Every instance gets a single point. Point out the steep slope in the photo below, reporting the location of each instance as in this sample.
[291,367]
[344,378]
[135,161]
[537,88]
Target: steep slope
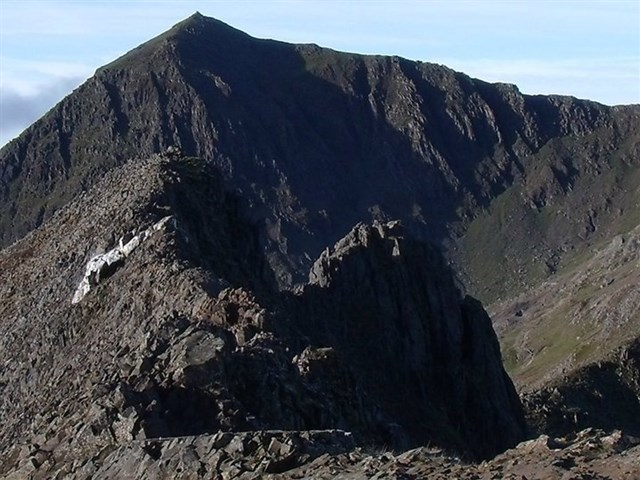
[578,193]
[604,394]
[574,318]
[572,343]
[384,299]
[300,131]
[181,269]
[180,331]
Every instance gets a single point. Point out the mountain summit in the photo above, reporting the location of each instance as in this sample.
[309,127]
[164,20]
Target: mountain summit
[221,256]
[300,131]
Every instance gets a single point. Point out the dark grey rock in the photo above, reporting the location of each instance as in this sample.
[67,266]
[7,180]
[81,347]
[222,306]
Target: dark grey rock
[162,349]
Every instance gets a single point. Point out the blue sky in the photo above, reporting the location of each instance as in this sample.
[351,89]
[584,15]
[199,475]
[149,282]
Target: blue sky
[588,48]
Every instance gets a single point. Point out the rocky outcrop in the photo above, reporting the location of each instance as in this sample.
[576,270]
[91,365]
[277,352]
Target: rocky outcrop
[228,455]
[426,356]
[245,455]
[604,395]
[315,141]
[591,454]
[189,337]
[105,264]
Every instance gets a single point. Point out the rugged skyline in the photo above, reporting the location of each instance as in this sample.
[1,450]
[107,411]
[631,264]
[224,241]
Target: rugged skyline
[232,256]
[588,50]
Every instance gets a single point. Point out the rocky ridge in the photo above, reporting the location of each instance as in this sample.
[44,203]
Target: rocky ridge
[392,291]
[189,336]
[517,188]
[498,177]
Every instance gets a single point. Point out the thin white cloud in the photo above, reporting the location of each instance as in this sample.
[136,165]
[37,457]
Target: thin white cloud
[17,110]
[29,88]
[28,77]
[85,19]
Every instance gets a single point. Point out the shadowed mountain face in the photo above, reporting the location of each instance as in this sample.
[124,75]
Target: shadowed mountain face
[185,334]
[315,141]
[184,295]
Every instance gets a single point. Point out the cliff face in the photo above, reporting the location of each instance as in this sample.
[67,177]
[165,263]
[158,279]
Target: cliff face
[299,132]
[188,336]
[386,300]
[167,296]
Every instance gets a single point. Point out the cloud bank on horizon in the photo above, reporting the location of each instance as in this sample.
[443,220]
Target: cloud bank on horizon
[588,48]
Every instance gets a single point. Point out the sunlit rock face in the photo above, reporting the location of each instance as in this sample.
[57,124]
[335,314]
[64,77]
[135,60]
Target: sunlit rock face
[104,265]
[293,313]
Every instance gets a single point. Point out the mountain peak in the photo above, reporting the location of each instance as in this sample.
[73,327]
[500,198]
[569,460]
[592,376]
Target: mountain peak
[195,28]
[192,20]
[200,24]
[163,296]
